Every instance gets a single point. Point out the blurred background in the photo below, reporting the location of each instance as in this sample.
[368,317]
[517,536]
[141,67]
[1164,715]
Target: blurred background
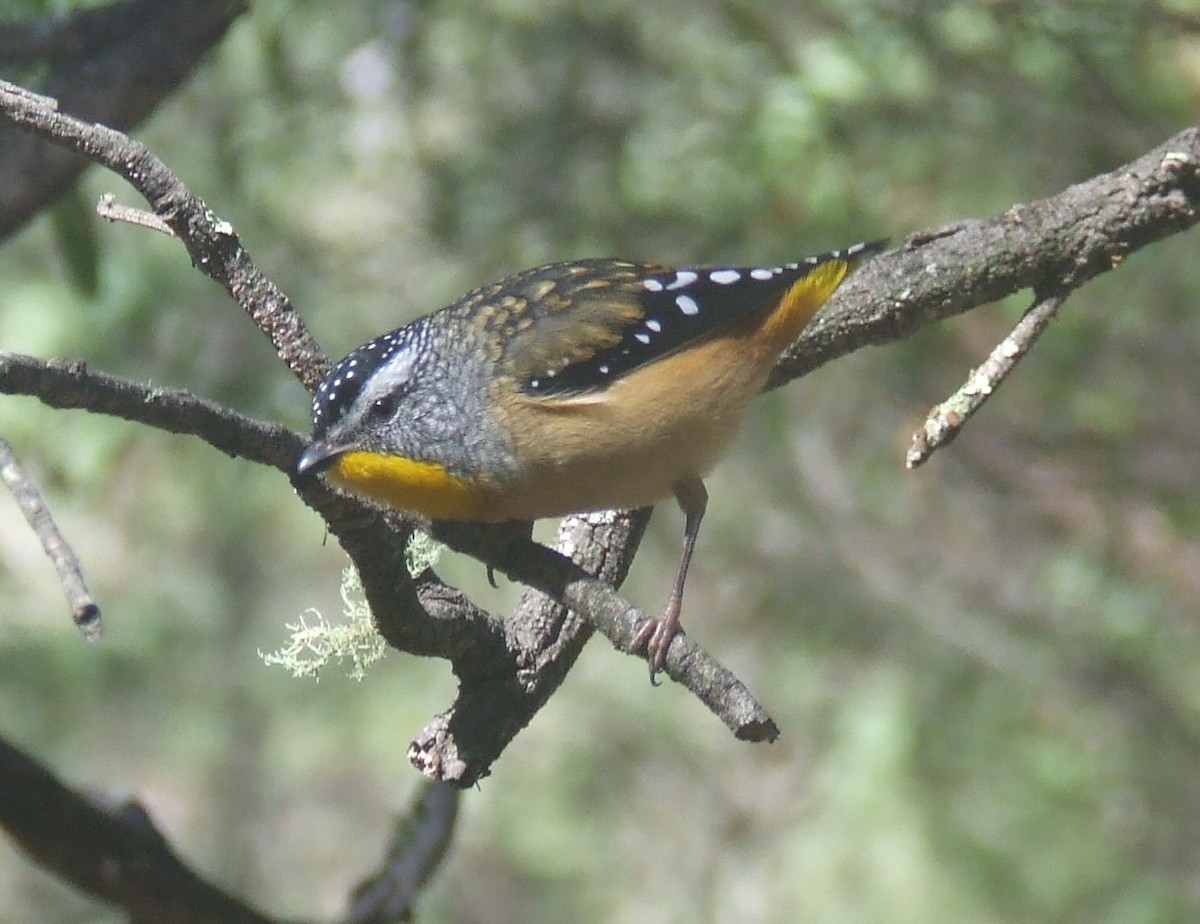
[985,671]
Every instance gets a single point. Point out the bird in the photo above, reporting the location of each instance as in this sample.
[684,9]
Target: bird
[572,387]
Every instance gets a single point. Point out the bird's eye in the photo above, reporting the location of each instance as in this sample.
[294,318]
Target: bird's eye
[381,409]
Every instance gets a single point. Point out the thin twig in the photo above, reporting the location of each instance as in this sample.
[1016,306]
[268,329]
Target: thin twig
[109,208]
[948,418]
[84,610]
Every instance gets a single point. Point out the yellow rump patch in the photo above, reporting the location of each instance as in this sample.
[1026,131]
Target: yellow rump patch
[802,300]
[422,487]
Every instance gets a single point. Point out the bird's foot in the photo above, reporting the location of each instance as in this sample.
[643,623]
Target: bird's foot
[656,635]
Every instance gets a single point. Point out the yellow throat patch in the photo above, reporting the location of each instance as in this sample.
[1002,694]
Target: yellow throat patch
[422,487]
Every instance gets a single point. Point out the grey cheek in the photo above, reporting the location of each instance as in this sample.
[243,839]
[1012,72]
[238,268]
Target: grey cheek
[441,423]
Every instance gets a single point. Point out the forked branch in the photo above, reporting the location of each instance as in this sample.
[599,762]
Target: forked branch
[1052,245]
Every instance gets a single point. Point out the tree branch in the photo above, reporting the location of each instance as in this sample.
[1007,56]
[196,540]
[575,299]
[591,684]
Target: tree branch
[84,611]
[113,64]
[68,384]
[115,854]
[418,845]
[1051,244]
[507,671]
[946,420]
[212,244]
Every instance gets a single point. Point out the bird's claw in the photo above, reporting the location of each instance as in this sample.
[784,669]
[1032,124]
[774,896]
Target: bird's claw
[656,635]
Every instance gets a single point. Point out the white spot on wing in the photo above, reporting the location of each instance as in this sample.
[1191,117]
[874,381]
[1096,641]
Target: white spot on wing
[652,285]
[683,278]
[725,277]
[761,274]
[687,305]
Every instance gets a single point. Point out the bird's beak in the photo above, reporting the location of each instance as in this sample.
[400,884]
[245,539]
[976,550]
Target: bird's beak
[317,457]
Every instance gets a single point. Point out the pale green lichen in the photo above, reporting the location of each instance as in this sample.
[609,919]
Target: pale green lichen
[316,642]
[421,552]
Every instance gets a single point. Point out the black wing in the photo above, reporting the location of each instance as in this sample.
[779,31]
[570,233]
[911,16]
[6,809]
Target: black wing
[576,327]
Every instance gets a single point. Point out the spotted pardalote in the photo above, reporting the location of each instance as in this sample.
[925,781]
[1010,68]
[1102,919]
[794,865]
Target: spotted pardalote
[567,388]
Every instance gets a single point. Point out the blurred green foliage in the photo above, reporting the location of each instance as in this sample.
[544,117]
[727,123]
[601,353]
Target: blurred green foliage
[985,671]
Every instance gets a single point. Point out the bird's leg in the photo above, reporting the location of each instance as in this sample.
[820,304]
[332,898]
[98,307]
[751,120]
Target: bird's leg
[499,537]
[657,632]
